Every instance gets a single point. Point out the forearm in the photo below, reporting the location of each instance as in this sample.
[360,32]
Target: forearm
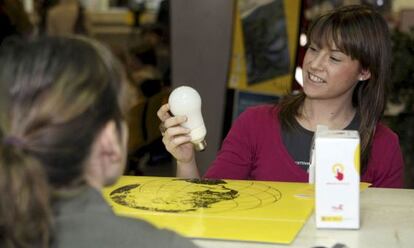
[187,170]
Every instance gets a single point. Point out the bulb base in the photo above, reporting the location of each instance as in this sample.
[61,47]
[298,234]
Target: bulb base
[200,146]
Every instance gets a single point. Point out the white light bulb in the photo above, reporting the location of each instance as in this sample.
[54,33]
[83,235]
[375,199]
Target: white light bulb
[186,101]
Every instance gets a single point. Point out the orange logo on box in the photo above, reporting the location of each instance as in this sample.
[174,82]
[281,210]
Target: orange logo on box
[338,170]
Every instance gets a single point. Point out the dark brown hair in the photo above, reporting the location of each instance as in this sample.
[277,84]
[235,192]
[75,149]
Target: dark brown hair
[362,34]
[56,96]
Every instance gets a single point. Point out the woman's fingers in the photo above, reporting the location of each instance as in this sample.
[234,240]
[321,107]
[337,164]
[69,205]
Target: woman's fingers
[175,137]
[163,112]
[174,121]
[176,131]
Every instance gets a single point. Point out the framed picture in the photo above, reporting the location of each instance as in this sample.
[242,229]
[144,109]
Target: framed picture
[264,45]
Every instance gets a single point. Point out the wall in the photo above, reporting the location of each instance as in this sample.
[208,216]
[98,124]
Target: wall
[397,5]
[201,45]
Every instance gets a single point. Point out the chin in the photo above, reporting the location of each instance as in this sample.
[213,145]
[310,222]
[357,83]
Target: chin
[111,181]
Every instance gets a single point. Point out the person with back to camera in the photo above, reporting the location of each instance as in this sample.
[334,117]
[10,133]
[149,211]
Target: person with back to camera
[345,71]
[62,139]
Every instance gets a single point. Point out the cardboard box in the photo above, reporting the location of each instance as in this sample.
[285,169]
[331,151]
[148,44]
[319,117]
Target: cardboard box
[337,163]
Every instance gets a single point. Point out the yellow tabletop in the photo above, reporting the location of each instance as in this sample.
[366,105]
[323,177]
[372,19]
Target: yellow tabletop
[258,211]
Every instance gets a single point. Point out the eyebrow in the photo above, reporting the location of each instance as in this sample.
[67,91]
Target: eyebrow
[330,49]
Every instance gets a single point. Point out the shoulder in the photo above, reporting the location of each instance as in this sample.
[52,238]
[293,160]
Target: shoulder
[139,233]
[385,136]
[385,145]
[87,221]
[259,118]
[386,164]
[260,112]
[107,230]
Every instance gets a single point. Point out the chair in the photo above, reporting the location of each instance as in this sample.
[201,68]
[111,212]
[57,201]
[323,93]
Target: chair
[154,147]
[145,136]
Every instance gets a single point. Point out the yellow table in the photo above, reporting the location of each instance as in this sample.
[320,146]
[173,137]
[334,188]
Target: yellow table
[253,211]
[387,215]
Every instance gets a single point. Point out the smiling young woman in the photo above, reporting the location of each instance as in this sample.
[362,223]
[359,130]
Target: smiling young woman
[345,70]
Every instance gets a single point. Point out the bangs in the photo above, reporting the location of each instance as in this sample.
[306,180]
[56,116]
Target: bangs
[324,33]
[339,31]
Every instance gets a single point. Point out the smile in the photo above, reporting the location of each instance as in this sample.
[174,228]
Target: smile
[315,78]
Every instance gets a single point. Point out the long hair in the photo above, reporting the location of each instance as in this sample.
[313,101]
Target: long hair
[362,34]
[56,96]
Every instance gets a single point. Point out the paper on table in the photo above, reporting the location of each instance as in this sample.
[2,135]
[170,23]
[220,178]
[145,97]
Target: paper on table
[218,209]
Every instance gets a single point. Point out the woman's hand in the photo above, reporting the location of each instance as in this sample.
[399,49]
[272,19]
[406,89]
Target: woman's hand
[177,142]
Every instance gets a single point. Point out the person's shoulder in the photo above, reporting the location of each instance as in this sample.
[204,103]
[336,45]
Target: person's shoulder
[262,110]
[97,226]
[154,237]
[99,229]
[384,131]
[383,134]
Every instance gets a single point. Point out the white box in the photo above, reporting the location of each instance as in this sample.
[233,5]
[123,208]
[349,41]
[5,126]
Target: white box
[337,162]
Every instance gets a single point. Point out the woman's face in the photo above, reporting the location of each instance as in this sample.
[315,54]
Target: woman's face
[329,74]
[123,144]
[119,146]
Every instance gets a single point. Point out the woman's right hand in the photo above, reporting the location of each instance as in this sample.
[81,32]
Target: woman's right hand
[177,139]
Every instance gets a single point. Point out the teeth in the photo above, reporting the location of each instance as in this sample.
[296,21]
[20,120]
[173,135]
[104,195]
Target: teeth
[315,78]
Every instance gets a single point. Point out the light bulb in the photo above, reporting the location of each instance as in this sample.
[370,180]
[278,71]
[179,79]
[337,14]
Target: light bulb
[186,101]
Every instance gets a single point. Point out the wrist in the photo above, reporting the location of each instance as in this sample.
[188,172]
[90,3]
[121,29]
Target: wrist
[186,163]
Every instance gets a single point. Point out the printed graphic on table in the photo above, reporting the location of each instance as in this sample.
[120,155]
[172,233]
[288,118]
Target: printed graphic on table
[218,209]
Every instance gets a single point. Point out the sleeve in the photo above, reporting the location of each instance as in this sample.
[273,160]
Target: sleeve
[234,160]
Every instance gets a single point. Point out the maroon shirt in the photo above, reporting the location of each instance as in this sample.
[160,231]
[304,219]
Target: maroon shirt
[254,150]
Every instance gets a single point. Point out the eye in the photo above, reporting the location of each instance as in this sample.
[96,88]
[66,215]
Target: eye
[312,48]
[335,59]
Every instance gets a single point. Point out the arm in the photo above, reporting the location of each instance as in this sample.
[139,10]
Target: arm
[393,178]
[386,165]
[187,170]
[177,142]
[235,158]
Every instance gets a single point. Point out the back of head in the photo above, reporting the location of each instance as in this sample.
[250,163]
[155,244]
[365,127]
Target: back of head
[56,95]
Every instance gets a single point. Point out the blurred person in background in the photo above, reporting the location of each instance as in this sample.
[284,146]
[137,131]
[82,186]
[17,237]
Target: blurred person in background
[14,20]
[66,17]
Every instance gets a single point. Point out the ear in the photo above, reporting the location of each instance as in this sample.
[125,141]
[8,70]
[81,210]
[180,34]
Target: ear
[106,162]
[365,74]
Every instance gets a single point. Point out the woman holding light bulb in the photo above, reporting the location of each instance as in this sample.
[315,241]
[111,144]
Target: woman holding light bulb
[345,69]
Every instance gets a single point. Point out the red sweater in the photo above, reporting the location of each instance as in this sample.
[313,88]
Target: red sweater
[254,150]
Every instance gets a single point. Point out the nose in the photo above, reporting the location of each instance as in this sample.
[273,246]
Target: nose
[317,61]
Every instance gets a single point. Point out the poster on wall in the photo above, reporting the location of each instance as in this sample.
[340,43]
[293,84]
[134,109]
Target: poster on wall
[264,45]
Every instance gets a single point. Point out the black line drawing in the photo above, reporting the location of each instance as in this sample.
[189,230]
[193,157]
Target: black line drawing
[195,195]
